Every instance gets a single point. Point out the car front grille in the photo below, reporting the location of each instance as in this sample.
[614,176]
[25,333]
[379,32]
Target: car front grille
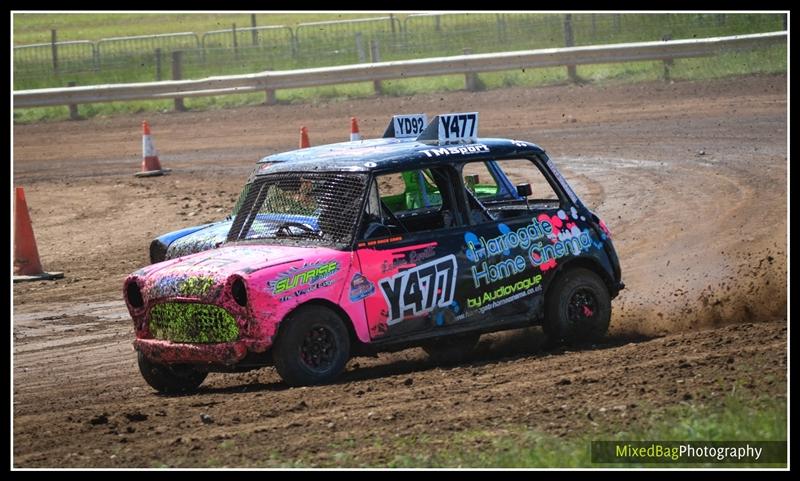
[192,322]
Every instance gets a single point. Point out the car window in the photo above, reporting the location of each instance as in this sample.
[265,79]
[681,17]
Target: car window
[481,181]
[410,201]
[240,200]
[491,189]
[409,190]
[299,207]
[525,171]
[260,167]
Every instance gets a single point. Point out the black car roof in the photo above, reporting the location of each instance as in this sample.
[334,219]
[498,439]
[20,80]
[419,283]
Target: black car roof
[389,153]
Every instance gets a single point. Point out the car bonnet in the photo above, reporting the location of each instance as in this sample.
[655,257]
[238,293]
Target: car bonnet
[201,274]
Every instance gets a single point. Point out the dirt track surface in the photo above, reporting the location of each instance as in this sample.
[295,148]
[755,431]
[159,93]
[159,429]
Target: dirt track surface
[690,177]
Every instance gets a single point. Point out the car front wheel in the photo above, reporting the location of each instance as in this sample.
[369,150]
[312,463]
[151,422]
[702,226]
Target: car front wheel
[578,307]
[312,347]
[173,379]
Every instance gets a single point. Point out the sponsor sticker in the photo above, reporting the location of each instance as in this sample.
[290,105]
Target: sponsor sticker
[415,291]
[360,288]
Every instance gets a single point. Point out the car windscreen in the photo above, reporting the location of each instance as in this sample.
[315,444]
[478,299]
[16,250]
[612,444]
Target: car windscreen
[300,208]
[260,167]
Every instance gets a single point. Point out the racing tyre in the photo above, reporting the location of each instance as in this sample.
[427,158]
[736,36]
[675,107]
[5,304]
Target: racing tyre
[180,378]
[312,347]
[451,350]
[578,308]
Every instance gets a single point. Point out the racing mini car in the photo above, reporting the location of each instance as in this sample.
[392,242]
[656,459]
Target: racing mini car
[429,236]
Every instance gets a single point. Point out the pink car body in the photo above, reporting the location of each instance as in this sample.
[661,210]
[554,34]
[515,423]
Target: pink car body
[277,279]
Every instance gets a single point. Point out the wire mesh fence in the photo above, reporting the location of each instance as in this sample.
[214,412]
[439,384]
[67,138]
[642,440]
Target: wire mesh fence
[110,48]
[277,35]
[319,44]
[341,42]
[55,58]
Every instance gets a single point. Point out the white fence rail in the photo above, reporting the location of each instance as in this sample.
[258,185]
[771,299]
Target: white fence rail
[461,64]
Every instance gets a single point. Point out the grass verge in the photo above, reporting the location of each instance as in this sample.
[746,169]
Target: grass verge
[517,446]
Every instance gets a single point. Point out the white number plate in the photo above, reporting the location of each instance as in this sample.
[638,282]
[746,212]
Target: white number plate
[409,125]
[458,127]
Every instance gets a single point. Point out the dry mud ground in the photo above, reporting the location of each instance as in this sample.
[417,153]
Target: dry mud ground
[690,177]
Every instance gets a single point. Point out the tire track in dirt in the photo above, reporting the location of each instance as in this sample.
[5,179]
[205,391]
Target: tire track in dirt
[558,392]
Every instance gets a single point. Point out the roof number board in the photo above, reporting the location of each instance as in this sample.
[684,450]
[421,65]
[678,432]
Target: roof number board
[409,125]
[458,127]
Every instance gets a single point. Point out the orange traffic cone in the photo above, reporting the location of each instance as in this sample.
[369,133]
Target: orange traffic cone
[27,266]
[354,133]
[151,167]
[304,143]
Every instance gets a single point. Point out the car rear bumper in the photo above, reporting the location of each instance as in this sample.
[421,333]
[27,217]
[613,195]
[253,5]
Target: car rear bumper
[222,353]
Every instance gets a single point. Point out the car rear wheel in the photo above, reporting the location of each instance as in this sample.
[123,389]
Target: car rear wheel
[578,307]
[312,347]
[171,379]
[451,350]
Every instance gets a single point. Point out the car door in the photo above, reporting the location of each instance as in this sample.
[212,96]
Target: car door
[504,241]
[408,253]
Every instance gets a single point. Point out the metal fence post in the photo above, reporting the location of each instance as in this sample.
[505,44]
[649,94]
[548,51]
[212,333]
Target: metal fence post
[95,58]
[73,108]
[272,99]
[668,62]
[616,22]
[375,53]
[235,42]
[569,41]
[295,44]
[362,55]
[158,64]
[54,50]
[471,81]
[177,74]
[501,28]
[254,32]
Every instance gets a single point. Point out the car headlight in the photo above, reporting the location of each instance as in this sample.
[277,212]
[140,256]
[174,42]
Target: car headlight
[239,291]
[134,295]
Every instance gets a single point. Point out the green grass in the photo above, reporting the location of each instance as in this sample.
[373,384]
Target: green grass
[735,419]
[32,28]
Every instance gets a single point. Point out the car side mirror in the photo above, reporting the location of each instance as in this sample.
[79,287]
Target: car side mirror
[524,191]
